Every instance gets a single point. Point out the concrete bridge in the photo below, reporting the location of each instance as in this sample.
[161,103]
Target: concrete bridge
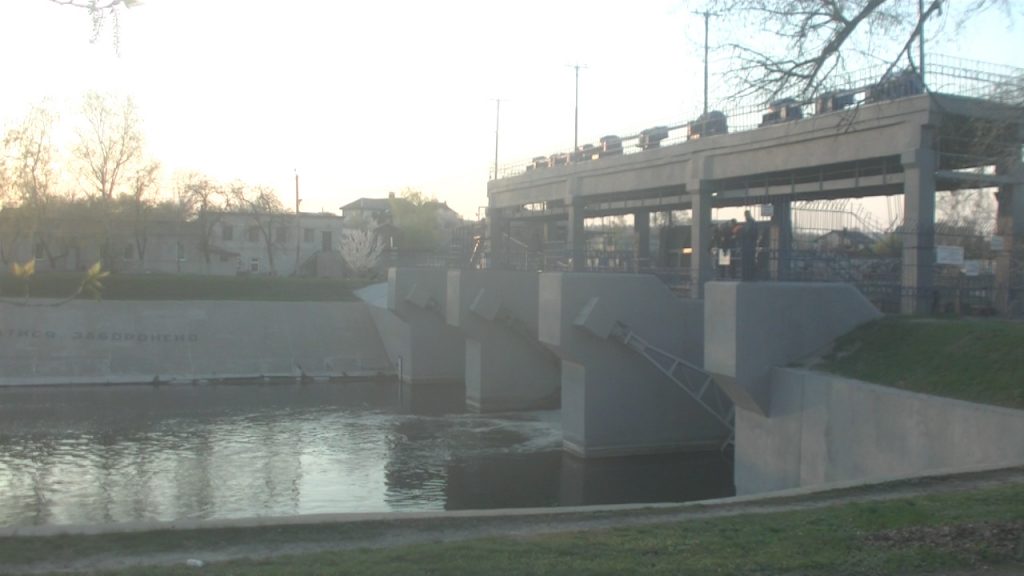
[914,146]
[634,367]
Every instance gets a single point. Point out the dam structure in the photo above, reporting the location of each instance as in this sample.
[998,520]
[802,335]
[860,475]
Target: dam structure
[674,356]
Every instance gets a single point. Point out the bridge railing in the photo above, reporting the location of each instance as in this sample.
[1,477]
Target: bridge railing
[944,74]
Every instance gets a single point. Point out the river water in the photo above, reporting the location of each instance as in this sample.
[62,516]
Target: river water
[108,454]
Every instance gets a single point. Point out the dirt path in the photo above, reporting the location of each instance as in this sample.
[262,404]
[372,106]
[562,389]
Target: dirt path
[408,529]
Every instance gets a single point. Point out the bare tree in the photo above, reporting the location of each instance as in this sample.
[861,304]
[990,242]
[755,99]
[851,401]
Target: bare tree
[266,212]
[101,11]
[143,185]
[28,181]
[202,200]
[361,249]
[110,143]
[817,36]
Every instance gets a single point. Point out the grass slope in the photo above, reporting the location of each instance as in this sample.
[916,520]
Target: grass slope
[975,360]
[919,535]
[187,287]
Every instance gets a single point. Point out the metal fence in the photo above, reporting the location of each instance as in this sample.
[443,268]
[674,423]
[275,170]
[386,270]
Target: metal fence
[847,91]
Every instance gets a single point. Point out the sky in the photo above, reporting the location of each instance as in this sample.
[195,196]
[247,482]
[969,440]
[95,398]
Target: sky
[366,98]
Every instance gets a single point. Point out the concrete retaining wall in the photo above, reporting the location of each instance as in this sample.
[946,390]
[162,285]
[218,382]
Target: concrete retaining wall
[132,341]
[754,326]
[825,429]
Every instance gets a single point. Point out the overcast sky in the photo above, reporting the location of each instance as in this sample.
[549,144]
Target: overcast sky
[363,98]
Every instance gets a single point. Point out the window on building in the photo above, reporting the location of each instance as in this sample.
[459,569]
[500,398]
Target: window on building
[327,243]
[308,235]
[40,251]
[227,232]
[181,251]
[254,265]
[254,234]
[129,252]
[281,235]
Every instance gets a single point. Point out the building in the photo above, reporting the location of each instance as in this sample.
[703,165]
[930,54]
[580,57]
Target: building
[219,243]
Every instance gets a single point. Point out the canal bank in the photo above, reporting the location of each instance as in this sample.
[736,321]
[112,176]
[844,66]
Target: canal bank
[100,342]
[890,528]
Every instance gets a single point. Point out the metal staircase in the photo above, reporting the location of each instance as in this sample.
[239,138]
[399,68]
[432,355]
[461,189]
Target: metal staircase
[693,380]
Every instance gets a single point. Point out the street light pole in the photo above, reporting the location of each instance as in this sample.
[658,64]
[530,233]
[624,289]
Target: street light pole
[497,126]
[576,110]
[707,18]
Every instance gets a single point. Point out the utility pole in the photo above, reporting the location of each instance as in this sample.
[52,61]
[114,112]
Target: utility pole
[298,224]
[497,125]
[920,39]
[576,125]
[707,18]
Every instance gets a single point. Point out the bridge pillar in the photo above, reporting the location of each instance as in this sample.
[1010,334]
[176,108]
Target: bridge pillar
[429,354]
[614,400]
[642,228]
[700,240]
[497,234]
[918,230]
[506,367]
[577,238]
[1010,231]
[781,238]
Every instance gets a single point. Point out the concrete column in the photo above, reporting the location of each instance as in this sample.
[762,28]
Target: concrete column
[577,238]
[642,227]
[497,229]
[1010,232]
[781,238]
[918,231]
[700,240]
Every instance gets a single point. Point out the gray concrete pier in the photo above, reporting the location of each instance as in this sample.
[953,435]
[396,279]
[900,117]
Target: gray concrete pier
[614,400]
[506,367]
[424,347]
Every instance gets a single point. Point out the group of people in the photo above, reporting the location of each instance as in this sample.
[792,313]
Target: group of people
[742,246]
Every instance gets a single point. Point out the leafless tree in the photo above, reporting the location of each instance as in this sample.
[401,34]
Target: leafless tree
[202,200]
[143,185]
[361,249]
[28,181]
[818,36]
[266,212]
[110,143]
[101,11]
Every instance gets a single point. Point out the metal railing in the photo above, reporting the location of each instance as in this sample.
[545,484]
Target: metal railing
[944,74]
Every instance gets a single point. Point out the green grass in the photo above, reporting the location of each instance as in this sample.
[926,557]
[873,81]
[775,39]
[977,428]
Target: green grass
[187,287]
[909,536]
[975,360]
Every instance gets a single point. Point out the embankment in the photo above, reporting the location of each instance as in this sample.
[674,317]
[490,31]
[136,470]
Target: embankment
[134,341]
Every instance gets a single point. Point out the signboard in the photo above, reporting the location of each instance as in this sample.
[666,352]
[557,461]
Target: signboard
[767,210]
[972,267]
[951,255]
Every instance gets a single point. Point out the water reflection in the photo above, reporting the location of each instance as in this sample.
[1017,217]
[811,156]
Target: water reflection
[115,454]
